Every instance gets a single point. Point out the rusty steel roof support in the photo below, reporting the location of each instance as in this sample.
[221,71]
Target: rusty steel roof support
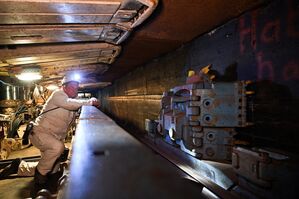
[49,32]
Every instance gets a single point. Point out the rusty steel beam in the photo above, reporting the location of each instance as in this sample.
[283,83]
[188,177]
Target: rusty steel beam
[20,27]
[99,2]
[48,33]
[58,67]
[46,11]
[151,6]
[130,13]
[95,69]
[92,70]
[30,30]
[28,50]
[115,162]
[52,57]
[94,85]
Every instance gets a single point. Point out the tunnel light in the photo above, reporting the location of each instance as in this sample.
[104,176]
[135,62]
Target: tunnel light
[77,77]
[30,74]
[52,87]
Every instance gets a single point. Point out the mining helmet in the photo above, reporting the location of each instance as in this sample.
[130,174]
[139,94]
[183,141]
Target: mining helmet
[69,78]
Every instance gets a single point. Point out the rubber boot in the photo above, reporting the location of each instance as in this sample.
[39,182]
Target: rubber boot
[53,179]
[40,182]
[10,169]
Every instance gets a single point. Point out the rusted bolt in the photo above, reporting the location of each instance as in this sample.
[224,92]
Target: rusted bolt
[210,152]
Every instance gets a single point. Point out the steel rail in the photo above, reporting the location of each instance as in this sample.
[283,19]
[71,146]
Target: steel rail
[190,165]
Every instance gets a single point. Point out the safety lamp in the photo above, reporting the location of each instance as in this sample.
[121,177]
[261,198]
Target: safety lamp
[77,76]
[30,74]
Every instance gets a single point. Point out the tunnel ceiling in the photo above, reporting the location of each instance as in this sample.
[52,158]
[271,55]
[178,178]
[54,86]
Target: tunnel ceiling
[102,39]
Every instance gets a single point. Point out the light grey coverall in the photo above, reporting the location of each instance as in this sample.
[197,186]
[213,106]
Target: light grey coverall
[50,129]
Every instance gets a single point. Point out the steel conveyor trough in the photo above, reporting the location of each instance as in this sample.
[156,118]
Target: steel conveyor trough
[108,162]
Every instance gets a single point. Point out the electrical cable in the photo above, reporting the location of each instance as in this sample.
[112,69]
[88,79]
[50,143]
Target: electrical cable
[7,84]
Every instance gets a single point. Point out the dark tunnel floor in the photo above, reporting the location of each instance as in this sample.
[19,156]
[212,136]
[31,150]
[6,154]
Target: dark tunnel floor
[16,187]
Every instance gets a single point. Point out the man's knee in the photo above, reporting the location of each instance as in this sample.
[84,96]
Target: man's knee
[59,148]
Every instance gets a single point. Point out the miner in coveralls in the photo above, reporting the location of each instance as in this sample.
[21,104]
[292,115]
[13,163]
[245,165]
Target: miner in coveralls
[48,134]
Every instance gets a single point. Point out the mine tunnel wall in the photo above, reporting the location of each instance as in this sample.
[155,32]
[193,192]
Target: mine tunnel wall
[261,45]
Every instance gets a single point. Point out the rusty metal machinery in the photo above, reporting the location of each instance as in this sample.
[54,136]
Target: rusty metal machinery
[12,107]
[16,111]
[265,173]
[201,117]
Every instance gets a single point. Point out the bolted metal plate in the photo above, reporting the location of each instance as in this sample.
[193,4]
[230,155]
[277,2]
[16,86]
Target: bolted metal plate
[29,34]
[39,21]
[96,55]
[36,50]
[57,12]
[223,106]
[83,69]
